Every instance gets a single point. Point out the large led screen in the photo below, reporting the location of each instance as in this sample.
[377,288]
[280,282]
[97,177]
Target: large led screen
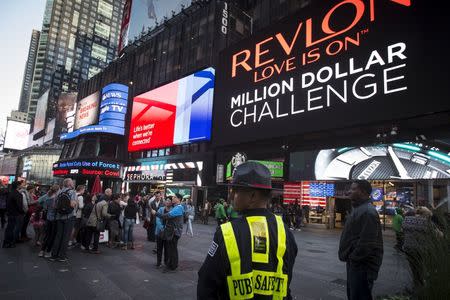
[113,109]
[41,110]
[66,108]
[177,113]
[87,111]
[374,162]
[16,135]
[140,15]
[336,64]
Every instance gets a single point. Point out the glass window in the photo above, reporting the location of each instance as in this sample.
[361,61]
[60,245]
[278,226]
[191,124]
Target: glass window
[105,9]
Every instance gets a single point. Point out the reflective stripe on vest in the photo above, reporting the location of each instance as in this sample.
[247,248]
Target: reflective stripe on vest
[244,286]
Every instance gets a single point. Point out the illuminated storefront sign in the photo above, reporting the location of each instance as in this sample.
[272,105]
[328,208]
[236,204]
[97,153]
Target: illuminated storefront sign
[336,64]
[275,168]
[87,168]
[177,113]
[113,109]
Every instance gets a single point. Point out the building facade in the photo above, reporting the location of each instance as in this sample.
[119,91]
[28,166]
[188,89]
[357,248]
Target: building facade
[187,43]
[78,39]
[25,93]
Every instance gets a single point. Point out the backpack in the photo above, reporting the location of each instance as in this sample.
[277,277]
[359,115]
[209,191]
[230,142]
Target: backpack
[63,206]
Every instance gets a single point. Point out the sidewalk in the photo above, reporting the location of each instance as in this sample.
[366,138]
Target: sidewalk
[117,274]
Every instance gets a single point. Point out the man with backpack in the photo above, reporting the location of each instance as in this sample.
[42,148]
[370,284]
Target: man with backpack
[66,203]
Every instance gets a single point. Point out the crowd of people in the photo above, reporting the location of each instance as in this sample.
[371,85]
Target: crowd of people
[67,218]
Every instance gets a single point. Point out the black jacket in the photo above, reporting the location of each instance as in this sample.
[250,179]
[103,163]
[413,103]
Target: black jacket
[212,276]
[114,209]
[14,206]
[361,242]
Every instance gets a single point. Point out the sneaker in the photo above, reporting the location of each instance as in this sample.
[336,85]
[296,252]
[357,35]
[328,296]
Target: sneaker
[158,266]
[168,270]
[124,248]
[52,258]
[47,255]
[70,243]
[82,247]
[154,251]
[41,254]
[62,259]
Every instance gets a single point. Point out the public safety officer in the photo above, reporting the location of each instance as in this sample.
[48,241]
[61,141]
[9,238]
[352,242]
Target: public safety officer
[251,257]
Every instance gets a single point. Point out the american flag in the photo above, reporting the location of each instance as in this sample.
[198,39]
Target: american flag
[311,193]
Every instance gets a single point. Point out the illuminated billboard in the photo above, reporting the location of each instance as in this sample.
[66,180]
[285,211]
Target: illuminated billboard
[140,15]
[335,64]
[176,113]
[41,110]
[16,135]
[113,109]
[374,162]
[87,111]
[65,115]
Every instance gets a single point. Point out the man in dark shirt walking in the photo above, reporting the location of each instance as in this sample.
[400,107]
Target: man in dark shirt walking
[14,211]
[361,245]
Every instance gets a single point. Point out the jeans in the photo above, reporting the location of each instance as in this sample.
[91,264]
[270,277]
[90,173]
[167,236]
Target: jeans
[359,283]
[63,232]
[128,230]
[172,249]
[189,225]
[50,234]
[161,245]
[18,227]
[9,231]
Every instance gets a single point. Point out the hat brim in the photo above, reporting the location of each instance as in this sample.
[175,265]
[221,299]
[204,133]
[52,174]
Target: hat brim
[251,186]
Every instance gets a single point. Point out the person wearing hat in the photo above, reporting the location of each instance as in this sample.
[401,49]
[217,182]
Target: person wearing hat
[250,257]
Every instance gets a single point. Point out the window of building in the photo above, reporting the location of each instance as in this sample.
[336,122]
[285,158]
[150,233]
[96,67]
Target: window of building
[89,148]
[105,9]
[108,147]
[99,52]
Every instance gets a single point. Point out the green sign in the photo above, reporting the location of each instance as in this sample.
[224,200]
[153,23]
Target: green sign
[275,168]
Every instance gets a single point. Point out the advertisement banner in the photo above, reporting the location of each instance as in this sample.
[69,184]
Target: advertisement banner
[87,111]
[113,109]
[336,64]
[376,162]
[176,113]
[39,119]
[16,137]
[87,168]
[145,14]
[66,110]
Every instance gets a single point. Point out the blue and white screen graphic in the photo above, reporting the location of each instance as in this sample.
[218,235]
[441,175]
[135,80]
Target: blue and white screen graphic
[113,109]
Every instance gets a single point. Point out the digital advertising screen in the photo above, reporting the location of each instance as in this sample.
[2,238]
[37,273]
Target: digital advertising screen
[113,110]
[66,107]
[16,137]
[39,119]
[375,162]
[336,64]
[176,113]
[87,111]
[140,15]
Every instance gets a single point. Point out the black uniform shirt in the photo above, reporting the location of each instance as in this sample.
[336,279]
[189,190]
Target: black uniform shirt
[212,276]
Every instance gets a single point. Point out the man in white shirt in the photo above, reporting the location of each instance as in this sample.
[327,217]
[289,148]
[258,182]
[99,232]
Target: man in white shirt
[77,213]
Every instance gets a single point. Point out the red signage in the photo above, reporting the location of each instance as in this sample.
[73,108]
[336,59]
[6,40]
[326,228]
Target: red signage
[60,172]
[108,173]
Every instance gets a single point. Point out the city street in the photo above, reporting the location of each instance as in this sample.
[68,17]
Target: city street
[118,274]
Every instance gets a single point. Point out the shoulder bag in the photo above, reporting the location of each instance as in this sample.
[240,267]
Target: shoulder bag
[101,224]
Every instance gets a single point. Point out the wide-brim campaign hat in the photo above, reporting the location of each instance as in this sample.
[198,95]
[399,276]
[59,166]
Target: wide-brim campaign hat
[252,174]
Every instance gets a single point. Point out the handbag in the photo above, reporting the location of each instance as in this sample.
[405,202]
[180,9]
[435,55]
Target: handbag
[101,224]
[168,232]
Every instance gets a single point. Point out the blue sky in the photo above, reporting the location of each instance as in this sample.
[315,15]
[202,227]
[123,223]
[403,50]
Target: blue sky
[17,19]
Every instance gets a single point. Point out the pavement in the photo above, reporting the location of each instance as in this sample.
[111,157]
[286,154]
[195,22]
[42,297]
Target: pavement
[118,274]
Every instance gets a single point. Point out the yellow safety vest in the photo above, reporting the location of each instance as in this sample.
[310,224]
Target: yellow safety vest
[245,286]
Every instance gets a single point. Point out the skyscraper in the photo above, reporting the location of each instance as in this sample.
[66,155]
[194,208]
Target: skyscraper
[28,73]
[78,39]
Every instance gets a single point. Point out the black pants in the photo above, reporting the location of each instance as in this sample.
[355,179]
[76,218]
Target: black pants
[63,233]
[3,217]
[49,237]
[92,232]
[26,221]
[172,251]
[400,240]
[151,232]
[9,238]
[359,283]
[161,245]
